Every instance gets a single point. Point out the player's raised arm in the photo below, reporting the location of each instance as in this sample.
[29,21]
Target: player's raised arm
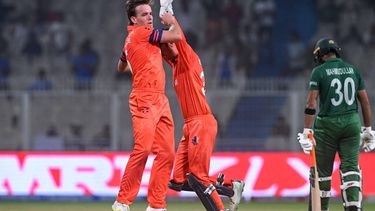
[174,32]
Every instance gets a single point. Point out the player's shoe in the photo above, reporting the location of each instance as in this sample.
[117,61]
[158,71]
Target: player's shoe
[234,201]
[117,206]
[154,209]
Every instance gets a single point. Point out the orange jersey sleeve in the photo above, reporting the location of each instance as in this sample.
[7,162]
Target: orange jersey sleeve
[142,53]
[189,81]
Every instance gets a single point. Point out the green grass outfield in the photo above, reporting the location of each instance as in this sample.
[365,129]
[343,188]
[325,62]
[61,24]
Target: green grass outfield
[172,206]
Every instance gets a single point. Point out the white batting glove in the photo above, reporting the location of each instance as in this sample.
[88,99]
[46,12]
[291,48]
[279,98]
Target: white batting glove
[165,7]
[165,3]
[304,140]
[367,139]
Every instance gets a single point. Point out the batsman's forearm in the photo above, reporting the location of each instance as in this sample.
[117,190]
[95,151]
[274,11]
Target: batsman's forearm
[366,107]
[311,108]
[366,113]
[309,119]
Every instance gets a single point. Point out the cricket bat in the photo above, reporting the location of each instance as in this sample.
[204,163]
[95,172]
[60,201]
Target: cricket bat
[315,190]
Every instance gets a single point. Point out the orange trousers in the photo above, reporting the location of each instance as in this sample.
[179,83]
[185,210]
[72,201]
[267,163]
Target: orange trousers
[195,150]
[153,133]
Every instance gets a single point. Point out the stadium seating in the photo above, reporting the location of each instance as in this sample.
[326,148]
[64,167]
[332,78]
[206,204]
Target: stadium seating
[251,123]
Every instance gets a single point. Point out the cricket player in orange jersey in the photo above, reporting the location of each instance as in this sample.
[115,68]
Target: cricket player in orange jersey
[200,127]
[151,115]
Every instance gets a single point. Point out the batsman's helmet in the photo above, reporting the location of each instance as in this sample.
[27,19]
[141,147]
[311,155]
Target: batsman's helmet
[323,47]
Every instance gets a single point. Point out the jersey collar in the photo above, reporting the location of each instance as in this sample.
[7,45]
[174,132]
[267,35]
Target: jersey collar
[133,27]
[334,60]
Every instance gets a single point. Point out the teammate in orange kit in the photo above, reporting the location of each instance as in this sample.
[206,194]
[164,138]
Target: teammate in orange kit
[151,115]
[200,128]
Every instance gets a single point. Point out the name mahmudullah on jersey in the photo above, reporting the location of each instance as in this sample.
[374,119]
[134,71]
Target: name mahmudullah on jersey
[340,71]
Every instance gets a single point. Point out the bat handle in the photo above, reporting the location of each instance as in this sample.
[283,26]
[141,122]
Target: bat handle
[312,153]
[311,137]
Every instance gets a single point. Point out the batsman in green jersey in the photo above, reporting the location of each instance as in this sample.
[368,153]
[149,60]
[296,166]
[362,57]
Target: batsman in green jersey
[337,127]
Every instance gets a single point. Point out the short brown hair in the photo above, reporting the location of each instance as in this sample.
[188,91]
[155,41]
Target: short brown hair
[132,4]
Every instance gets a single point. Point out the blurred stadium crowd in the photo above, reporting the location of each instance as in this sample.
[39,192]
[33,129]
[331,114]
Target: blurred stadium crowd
[59,89]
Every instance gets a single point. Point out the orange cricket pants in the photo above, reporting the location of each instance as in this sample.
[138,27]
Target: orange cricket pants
[195,150]
[153,132]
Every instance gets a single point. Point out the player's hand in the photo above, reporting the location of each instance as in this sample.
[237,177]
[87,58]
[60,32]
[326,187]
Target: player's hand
[164,3]
[165,7]
[367,141]
[304,141]
[164,10]
[167,19]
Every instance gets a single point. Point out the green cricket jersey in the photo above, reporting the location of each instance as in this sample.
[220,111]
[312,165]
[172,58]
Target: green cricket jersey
[338,84]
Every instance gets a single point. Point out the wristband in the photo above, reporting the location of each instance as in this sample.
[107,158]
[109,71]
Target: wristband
[310,111]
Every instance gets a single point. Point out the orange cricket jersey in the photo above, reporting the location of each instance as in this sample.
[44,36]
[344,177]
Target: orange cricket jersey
[142,52]
[189,82]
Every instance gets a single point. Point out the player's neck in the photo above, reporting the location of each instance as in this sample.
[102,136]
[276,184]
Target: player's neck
[329,56]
